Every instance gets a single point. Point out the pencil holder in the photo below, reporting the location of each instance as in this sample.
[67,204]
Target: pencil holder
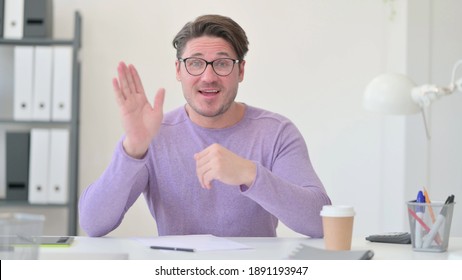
[430,225]
[20,236]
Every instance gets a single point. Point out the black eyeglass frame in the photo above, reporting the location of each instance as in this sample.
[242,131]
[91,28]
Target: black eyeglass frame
[207,63]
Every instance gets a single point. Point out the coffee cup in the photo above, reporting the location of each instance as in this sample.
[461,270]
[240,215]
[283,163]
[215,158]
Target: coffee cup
[337,221]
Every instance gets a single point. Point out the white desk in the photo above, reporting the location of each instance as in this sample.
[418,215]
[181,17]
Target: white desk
[264,249]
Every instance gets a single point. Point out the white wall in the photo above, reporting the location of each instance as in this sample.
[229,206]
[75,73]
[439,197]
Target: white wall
[308,60]
[430,49]
[446,115]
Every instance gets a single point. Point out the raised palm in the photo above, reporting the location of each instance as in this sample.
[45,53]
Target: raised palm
[140,120]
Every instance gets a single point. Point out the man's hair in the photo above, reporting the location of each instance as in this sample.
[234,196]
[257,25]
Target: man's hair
[214,26]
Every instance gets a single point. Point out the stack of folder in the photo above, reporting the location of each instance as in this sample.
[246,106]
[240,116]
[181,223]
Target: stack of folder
[37,166]
[42,83]
[26,18]
[35,85]
[48,166]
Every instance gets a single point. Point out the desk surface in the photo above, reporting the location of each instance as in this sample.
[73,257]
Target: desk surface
[263,249]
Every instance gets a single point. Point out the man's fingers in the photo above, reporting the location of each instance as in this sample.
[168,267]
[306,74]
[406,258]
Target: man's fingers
[200,174]
[137,84]
[206,178]
[206,169]
[206,166]
[202,168]
[127,83]
[199,157]
[121,71]
[120,98]
[159,100]
[130,79]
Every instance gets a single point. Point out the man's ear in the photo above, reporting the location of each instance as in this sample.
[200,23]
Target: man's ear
[177,66]
[241,70]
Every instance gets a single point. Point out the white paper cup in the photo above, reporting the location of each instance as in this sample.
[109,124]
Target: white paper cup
[337,221]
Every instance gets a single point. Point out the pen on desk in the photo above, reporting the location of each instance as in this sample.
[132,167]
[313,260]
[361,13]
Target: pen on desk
[419,212]
[173,248]
[427,240]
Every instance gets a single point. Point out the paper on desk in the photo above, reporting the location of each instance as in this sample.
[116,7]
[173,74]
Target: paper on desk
[198,242]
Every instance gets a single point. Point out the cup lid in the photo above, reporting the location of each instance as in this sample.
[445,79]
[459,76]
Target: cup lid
[337,211]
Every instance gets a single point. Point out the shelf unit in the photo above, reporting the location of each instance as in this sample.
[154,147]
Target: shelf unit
[72,126]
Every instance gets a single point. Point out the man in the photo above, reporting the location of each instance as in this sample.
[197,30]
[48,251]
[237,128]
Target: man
[214,166]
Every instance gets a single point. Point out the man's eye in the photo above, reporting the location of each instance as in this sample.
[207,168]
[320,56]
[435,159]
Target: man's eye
[196,63]
[222,63]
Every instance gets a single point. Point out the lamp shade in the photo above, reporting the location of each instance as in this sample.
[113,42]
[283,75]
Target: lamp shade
[390,94]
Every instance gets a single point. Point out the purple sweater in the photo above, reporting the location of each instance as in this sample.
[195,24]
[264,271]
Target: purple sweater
[286,187]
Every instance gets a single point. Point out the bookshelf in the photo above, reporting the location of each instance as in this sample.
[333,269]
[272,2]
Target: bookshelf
[61,218]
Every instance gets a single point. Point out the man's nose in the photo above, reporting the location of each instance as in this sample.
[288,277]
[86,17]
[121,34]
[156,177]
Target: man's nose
[209,74]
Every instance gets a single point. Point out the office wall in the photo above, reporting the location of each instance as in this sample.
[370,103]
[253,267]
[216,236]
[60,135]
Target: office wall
[430,49]
[308,60]
[446,114]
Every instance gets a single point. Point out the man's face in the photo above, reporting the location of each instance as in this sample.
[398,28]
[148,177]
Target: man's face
[209,95]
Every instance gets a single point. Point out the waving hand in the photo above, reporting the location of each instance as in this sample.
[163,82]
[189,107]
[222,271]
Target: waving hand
[140,120]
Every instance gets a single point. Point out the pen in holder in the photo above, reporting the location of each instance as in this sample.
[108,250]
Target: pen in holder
[430,234]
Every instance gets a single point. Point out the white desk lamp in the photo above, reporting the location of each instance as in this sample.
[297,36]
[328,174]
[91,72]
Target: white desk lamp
[397,94]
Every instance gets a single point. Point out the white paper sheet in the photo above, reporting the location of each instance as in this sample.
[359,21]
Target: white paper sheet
[200,242]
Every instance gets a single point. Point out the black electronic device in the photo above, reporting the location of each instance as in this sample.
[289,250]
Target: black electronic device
[391,237]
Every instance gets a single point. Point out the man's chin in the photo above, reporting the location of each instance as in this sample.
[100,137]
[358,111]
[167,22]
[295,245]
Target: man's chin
[208,112]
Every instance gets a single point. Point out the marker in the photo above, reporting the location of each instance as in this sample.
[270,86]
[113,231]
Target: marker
[173,248]
[427,240]
[419,212]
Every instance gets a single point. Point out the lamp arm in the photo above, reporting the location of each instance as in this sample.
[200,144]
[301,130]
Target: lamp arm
[458,84]
[424,95]
[454,70]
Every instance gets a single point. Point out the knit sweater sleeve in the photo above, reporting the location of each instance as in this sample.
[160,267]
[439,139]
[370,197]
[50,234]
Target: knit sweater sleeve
[290,188]
[104,203]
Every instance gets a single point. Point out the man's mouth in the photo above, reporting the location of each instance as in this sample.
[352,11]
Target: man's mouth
[209,92]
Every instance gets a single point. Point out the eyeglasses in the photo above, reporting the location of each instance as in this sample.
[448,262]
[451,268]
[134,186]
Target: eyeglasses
[196,66]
